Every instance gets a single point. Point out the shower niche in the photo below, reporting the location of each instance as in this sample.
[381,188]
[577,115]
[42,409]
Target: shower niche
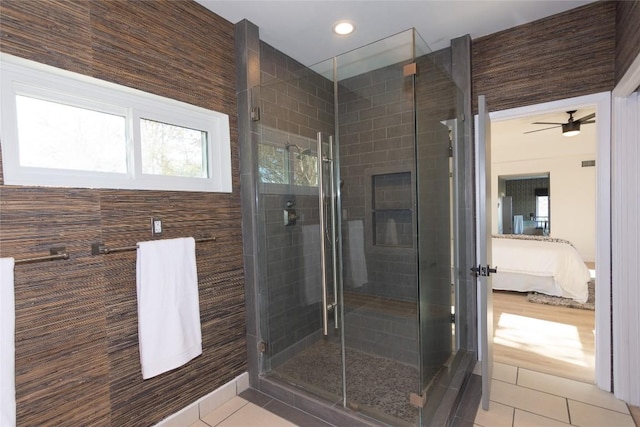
[391,205]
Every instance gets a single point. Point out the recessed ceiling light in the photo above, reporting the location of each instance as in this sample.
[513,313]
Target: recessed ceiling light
[343,28]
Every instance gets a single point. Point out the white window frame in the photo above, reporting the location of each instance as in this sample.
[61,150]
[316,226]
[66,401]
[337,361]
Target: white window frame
[23,77]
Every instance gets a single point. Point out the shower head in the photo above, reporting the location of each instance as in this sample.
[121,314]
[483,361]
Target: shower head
[301,151]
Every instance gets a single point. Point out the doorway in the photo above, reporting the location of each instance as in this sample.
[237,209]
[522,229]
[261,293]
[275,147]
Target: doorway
[599,103]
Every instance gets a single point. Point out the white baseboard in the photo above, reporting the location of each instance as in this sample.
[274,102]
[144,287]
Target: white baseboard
[192,413]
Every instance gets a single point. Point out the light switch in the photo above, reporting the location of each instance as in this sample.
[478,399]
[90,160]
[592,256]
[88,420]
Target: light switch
[156,227]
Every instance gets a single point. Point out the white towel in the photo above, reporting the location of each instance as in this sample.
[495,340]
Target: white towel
[356,261]
[518,224]
[391,233]
[7,344]
[312,271]
[169,331]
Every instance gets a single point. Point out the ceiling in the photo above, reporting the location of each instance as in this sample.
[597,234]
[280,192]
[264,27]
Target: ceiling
[302,29]
[508,137]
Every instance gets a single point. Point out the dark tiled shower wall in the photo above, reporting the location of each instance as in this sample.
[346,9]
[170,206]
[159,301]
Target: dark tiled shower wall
[376,135]
[290,284]
[295,104]
[383,333]
[293,98]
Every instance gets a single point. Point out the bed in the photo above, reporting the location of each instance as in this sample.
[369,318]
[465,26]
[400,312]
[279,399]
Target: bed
[539,264]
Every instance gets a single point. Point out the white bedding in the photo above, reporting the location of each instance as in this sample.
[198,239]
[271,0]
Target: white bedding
[559,262]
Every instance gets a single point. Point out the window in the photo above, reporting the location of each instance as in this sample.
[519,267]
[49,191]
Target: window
[542,207]
[67,130]
[287,159]
[273,164]
[173,150]
[55,135]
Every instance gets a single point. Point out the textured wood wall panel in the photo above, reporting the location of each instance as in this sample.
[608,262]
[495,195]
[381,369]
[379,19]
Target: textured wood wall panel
[77,356]
[627,35]
[54,32]
[125,219]
[62,368]
[562,56]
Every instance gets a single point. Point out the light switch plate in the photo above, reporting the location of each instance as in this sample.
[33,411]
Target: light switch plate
[156,227]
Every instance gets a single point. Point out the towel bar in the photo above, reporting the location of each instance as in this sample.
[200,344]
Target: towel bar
[57,253]
[101,249]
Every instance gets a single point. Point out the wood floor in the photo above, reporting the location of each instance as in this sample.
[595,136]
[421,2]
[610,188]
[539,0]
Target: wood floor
[550,339]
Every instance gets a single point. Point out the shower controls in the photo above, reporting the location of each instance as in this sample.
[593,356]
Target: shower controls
[290,217]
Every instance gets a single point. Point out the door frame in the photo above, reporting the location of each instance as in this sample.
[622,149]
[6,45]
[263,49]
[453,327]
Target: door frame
[602,102]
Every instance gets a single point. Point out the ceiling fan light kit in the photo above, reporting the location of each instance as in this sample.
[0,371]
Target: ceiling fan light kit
[571,127]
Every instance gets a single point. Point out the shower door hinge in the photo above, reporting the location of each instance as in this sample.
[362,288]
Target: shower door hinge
[462,117]
[418,400]
[410,69]
[262,347]
[255,114]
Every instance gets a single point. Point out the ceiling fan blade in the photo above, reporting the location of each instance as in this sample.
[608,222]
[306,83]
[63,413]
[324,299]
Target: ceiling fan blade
[538,130]
[587,122]
[587,117]
[547,123]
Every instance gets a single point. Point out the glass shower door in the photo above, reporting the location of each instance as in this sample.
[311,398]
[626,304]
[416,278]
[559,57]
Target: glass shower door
[298,232]
[357,281]
[438,140]
[376,136]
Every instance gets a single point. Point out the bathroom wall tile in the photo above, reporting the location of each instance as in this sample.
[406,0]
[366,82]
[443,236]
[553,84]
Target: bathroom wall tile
[242,383]
[184,417]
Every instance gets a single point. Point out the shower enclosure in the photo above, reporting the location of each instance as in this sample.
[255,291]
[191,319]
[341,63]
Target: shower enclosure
[356,227]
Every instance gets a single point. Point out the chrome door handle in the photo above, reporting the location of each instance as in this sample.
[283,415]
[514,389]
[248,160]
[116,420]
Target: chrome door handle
[323,261]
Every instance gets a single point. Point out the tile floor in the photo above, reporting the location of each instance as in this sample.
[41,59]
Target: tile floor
[239,412]
[520,398]
[254,409]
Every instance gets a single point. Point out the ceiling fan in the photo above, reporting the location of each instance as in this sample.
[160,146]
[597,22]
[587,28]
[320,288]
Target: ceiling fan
[571,127]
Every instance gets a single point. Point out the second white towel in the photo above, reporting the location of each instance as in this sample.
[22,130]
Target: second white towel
[7,344]
[169,331]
